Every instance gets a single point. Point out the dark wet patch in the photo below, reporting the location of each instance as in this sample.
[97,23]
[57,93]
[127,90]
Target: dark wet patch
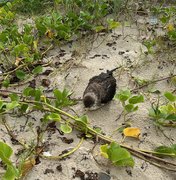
[96,55]
[67,140]
[129,172]
[110,44]
[121,52]
[47,72]
[46,82]
[59,168]
[47,171]
[32,83]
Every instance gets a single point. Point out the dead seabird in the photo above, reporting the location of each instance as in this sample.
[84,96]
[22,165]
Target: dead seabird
[100,90]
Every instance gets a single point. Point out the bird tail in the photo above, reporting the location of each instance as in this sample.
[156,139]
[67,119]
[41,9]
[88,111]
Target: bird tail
[111,71]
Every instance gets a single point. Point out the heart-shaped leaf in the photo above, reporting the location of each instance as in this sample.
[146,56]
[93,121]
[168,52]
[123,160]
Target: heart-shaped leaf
[20,74]
[170,96]
[65,128]
[136,99]
[131,108]
[119,156]
[37,70]
[53,117]
[12,105]
[123,95]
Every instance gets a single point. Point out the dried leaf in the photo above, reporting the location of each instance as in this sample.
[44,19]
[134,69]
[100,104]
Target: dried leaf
[132,132]
[17,61]
[27,166]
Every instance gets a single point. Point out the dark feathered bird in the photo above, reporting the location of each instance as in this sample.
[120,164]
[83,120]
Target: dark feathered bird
[100,90]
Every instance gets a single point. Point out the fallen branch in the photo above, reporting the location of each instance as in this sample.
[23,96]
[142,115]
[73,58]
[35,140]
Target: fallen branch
[151,82]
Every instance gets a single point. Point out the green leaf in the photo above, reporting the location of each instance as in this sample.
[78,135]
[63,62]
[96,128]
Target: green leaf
[125,162]
[24,108]
[98,129]
[168,109]
[123,95]
[5,150]
[131,108]
[119,156]
[14,97]
[57,94]
[166,151]
[12,105]
[82,122]
[170,96]
[84,119]
[152,112]
[104,150]
[20,74]
[99,28]
[66,128]
[37,94]
[136,99]
[11,173]
[1,104]
[27,91]
[37,70]
[112,24]
[62,98]
[53,117]
[6,83]
[171,117]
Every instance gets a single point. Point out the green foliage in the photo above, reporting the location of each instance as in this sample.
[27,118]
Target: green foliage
[128,101]
[53,117]
[82,122]
[6,15]
[123,95]
[150,44]
[37,70]
[32,6]
[62,98]
[136,99]
[20,74]
[166,17]
[166,150]
[20,44]
[6,83]
[14,97]
[66,128]
[5,154]
[171,97]
[164,114]
[54,26]
[117,155]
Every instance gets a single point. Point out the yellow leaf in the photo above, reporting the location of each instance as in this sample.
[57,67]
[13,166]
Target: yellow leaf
[132,132]
[103,150]
[170,27]
[49,34]
[35,45]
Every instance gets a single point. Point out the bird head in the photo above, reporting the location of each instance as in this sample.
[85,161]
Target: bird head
[90,100]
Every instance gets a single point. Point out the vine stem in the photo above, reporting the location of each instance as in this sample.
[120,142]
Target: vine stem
[11,133]
[162,79]
[143,154]
[65,154]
